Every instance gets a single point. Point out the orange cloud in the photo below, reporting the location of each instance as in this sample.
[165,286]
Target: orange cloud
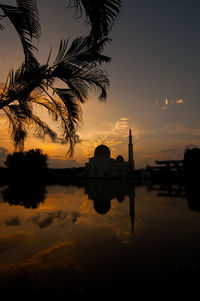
[179,101]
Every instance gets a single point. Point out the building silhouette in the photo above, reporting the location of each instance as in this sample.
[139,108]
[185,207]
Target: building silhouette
[103,166]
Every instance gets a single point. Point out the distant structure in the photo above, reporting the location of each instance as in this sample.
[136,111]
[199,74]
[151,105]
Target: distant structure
[103,166]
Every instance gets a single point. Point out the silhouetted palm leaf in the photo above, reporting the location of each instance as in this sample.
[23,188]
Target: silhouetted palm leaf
[25,19]
[80,52]
[29,7]
[99,13]
[1,26]
[77,67]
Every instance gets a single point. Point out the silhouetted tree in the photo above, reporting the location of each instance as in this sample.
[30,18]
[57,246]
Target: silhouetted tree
[191,175]
[77,65]
[27,163]
[193,196]
[15,161]
[35,159]
[191,163]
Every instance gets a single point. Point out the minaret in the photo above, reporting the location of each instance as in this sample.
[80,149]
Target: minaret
[130,151]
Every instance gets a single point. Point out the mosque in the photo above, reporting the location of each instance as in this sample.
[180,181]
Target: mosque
[103,166]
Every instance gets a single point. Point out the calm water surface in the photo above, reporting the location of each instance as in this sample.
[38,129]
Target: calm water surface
[101,238]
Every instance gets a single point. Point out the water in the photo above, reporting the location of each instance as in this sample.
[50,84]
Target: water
[100,238]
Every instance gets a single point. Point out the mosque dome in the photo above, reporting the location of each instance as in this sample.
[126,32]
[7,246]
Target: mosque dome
[120,159]
[102,151]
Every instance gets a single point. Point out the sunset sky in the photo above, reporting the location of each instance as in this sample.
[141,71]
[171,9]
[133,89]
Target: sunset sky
[154,81]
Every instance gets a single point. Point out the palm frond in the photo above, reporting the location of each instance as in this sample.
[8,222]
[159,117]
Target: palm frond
[21,118]
[41,128]
[77,66]
[72,117]
[1,26]
[29,8]
[61,51]
[47,105]
[25,19]
[17,131]
[100,14]
[81,53]
[82,80]
[33,86]
[97,81]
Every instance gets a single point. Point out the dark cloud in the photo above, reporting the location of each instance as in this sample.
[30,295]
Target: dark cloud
[15,221]
[75,216]
[46,221]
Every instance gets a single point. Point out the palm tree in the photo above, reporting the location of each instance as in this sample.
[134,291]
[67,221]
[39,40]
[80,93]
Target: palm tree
[76,65]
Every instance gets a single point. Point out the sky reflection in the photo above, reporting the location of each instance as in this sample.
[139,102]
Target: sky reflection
[65,236]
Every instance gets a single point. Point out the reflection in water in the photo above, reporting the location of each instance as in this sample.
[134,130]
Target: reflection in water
[190,191]
[28,195]
[100,191]
[103,191]
[168,190]
[193,196]
[72,247]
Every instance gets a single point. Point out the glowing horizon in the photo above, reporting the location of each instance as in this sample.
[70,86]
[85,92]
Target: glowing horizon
[154,83]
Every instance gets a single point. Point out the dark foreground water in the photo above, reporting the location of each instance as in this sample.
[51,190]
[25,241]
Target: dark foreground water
[100,240]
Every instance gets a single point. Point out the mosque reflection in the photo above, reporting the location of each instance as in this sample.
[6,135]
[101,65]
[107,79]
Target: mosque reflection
[103,191]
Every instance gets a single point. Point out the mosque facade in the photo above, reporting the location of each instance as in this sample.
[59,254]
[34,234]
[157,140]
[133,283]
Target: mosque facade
[103,166]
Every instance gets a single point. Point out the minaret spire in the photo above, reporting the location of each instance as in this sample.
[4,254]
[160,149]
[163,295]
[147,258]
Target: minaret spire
[130,151]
